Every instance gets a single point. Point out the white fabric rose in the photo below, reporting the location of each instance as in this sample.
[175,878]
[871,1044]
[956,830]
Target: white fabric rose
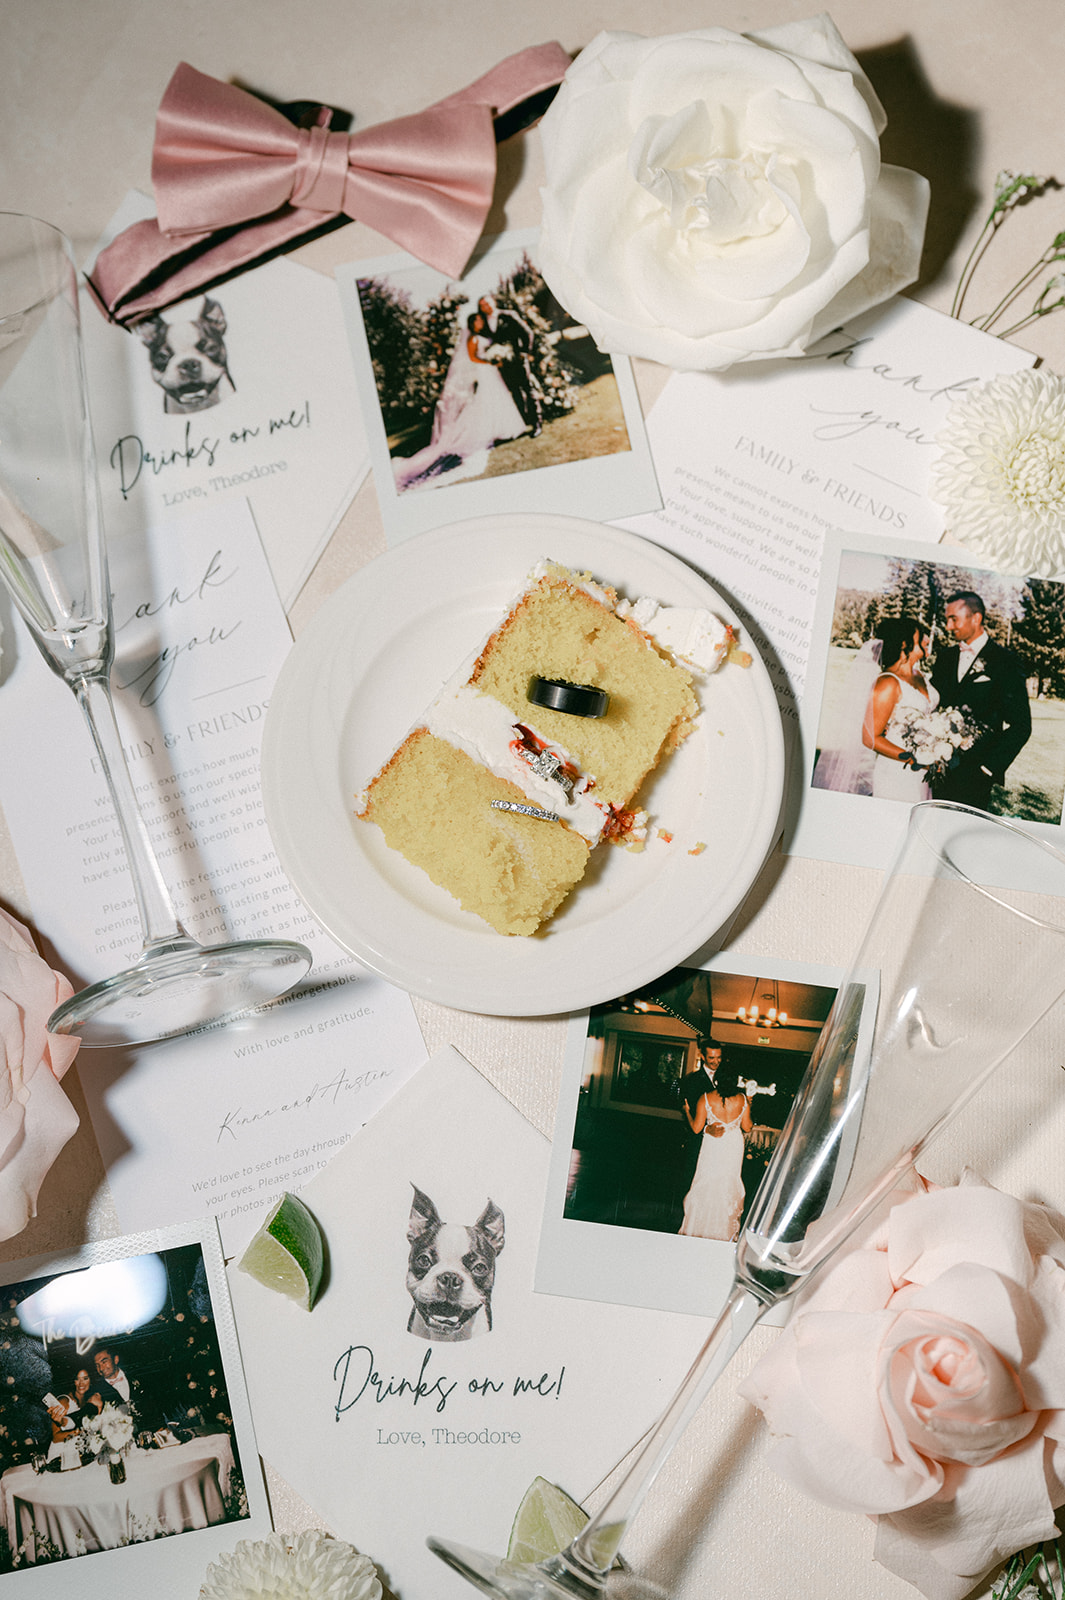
[715,197]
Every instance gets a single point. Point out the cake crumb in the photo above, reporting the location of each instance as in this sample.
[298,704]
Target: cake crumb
[697,849]
[665,835]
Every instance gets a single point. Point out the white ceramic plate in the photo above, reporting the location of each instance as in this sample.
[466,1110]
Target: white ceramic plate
[364,670]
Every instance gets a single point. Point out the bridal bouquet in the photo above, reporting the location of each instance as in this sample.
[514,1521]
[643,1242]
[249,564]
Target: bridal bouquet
[498,353]
[109,1435]
[934,738]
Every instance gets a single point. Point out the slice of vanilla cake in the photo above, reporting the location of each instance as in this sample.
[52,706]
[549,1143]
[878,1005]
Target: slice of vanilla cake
[530,757]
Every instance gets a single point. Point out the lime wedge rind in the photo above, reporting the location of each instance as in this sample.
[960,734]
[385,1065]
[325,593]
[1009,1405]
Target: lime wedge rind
[288,1252]
[546,1522]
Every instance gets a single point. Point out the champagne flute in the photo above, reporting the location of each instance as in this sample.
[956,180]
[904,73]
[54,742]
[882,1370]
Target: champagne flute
[950,976]
[54,565]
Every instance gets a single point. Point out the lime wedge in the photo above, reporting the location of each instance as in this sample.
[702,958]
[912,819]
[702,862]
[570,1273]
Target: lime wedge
[546,1522]
[288,1252]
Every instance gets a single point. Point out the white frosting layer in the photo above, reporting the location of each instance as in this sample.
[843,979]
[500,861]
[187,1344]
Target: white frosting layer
[487,731]
[697,639]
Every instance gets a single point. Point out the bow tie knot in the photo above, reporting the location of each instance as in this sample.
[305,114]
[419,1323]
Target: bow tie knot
[321,168]
[235,180]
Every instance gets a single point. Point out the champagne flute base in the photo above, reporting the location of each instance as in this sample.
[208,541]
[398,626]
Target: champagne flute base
[179,988]
[552,1579]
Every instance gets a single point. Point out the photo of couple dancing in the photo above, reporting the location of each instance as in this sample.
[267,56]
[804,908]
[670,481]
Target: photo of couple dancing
[929,710]
[491,394]
[717,1107]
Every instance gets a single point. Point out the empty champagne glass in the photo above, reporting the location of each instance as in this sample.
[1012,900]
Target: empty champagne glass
[950,976]
[54,565]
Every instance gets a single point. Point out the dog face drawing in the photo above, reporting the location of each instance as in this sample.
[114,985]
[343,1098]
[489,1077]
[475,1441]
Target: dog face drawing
[188,359]
[450,1271]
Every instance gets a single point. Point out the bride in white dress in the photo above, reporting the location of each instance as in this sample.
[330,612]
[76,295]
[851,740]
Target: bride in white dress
[714,1203]
[474,412]
[900,686]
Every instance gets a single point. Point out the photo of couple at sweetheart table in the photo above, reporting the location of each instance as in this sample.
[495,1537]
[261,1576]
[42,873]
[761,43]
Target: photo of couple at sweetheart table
[946,683]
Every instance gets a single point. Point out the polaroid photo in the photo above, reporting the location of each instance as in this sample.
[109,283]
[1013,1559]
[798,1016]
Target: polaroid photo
[127,1456]
[924,654]
[644,1201]
[484,396]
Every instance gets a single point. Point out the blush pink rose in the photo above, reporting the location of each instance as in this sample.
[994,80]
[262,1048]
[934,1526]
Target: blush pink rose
[921,1380]
[36,1118]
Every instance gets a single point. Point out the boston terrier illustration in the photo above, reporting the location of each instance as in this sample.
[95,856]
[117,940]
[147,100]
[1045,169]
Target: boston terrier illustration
[451,1270]
[188,359]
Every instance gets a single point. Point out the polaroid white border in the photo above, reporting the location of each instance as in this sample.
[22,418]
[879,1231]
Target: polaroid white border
[602,488]
[178,1563]
[854,829]
[639,1266]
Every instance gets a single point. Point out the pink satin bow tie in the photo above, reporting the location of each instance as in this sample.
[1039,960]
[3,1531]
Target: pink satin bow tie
[235,180]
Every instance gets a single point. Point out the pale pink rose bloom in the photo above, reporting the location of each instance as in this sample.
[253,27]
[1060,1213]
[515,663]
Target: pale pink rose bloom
[36,1118]
[921,1380]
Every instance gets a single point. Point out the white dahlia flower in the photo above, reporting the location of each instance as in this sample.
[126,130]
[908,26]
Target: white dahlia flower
[1000,476]
[292,1566]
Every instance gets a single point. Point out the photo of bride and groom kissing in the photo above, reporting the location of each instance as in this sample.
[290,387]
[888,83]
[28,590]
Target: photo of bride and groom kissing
[491,394]
[486,377]
[937,699]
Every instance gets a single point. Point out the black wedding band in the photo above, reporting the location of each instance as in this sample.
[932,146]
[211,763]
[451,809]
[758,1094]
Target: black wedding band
[574,699]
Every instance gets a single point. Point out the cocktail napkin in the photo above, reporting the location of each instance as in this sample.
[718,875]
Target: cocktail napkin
[391,1434]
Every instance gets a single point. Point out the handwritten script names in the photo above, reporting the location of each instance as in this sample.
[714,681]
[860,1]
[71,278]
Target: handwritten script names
[356,1371]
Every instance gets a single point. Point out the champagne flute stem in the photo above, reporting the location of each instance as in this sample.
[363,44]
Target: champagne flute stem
[159,922]
[591,1555]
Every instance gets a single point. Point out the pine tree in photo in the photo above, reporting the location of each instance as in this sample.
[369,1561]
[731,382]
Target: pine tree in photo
[524,292]
[1038,633]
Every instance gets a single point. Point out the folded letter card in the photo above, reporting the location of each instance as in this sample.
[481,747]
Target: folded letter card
[430,1384]
[758,464]
[243,391]
[225,1119]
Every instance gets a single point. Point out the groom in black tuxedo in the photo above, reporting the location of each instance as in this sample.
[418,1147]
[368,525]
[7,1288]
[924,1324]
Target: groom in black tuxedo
[510,331]
[987,682]
[121,1389]
[690,1091]
[702,1081]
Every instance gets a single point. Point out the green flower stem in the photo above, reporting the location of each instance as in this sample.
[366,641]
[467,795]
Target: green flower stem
[1053,253]
[1011,190]
[1008,298]
[1018,1573]
[972,261]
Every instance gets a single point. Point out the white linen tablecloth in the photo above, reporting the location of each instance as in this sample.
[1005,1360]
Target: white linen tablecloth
[80,1511]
